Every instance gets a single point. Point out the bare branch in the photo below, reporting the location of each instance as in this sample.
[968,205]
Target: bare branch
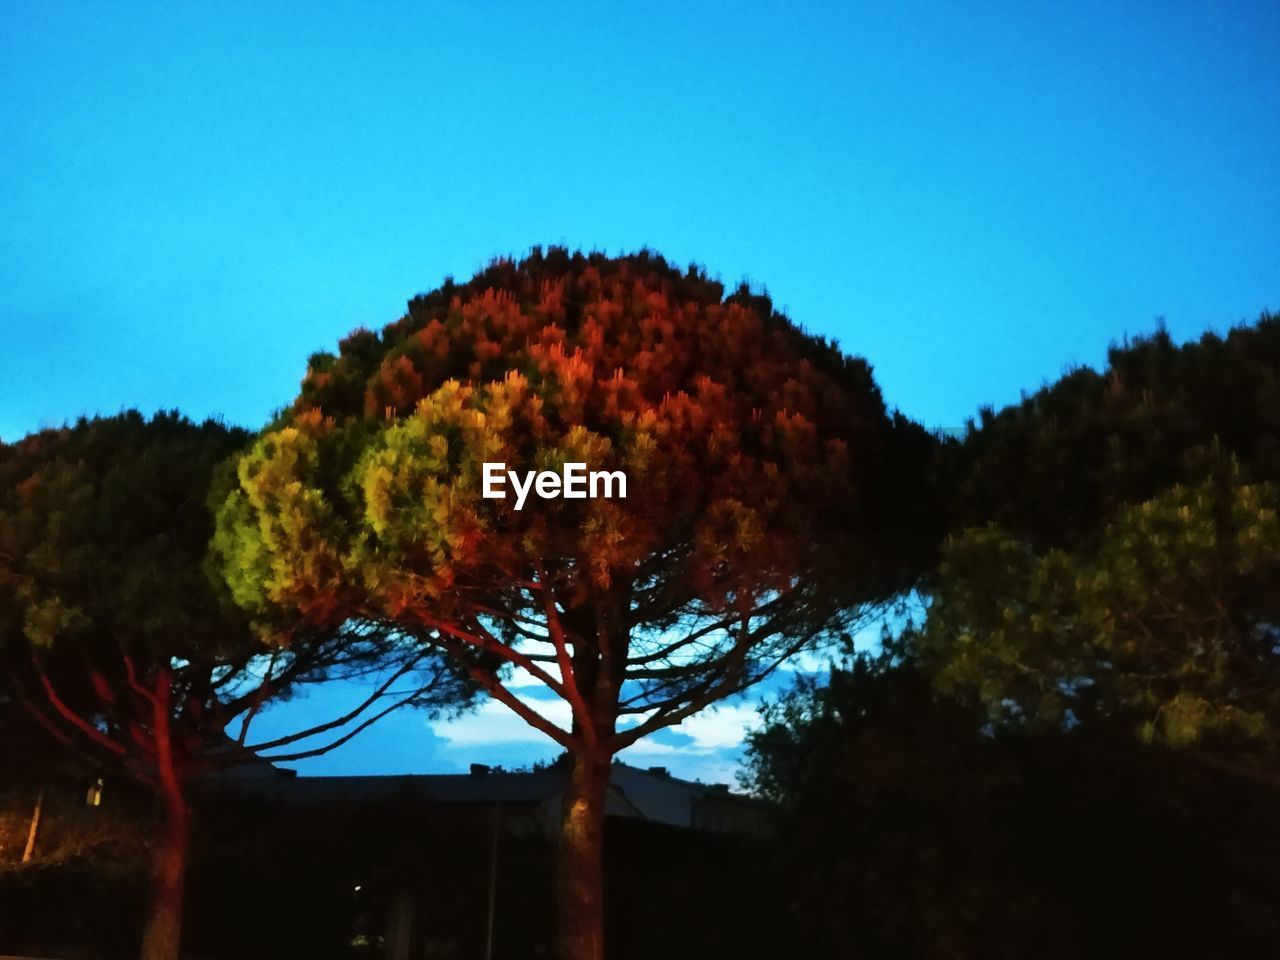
[491,644]
[369,721]
[342,720]
[496,689]
[73,718]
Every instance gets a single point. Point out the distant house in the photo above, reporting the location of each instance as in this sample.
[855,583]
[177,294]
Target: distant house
[647,809]
[530,800]
[387,867]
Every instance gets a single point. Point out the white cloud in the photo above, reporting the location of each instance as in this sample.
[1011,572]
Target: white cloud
[521,679]
[648,746]
[719,727]
[494,722]
[716,728]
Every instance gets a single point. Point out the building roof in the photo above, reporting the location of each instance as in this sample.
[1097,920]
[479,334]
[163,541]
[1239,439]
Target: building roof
[634,793]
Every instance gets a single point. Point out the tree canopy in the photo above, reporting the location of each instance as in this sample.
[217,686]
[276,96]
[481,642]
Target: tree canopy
[758,510]
[1115,547]
[1171,621]
[905,826]
[750,451]
[1055,467]
[117,640]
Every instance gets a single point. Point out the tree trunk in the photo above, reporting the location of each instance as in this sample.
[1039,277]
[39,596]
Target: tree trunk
[581,863]
[163,932]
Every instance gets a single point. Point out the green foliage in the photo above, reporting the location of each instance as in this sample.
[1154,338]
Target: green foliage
[1116,548]
[905,827]
[112,632]
[103,531]
[756,457]
[1055,467]
[1172,619]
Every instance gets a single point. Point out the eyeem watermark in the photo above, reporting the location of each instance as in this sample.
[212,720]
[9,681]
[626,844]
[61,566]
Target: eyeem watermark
[572,483]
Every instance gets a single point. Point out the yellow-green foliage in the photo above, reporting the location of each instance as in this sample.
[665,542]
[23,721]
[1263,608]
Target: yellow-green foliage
[1171,620]
[745,444]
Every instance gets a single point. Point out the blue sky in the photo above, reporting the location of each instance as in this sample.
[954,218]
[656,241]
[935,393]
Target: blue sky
[194,197]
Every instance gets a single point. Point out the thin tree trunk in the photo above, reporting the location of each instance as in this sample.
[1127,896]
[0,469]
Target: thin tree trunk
[581,862]
[29,850]
[163,932]
[162,936]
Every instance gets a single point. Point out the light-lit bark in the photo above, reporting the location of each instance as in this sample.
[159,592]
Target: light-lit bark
[162,934]
[581,862]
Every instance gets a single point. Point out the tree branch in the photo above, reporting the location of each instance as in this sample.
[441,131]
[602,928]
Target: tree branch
[556,630]
[73,718]
[342,720]
[495,688]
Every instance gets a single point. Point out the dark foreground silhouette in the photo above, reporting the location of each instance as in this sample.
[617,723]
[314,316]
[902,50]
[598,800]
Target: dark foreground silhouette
[900,830]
